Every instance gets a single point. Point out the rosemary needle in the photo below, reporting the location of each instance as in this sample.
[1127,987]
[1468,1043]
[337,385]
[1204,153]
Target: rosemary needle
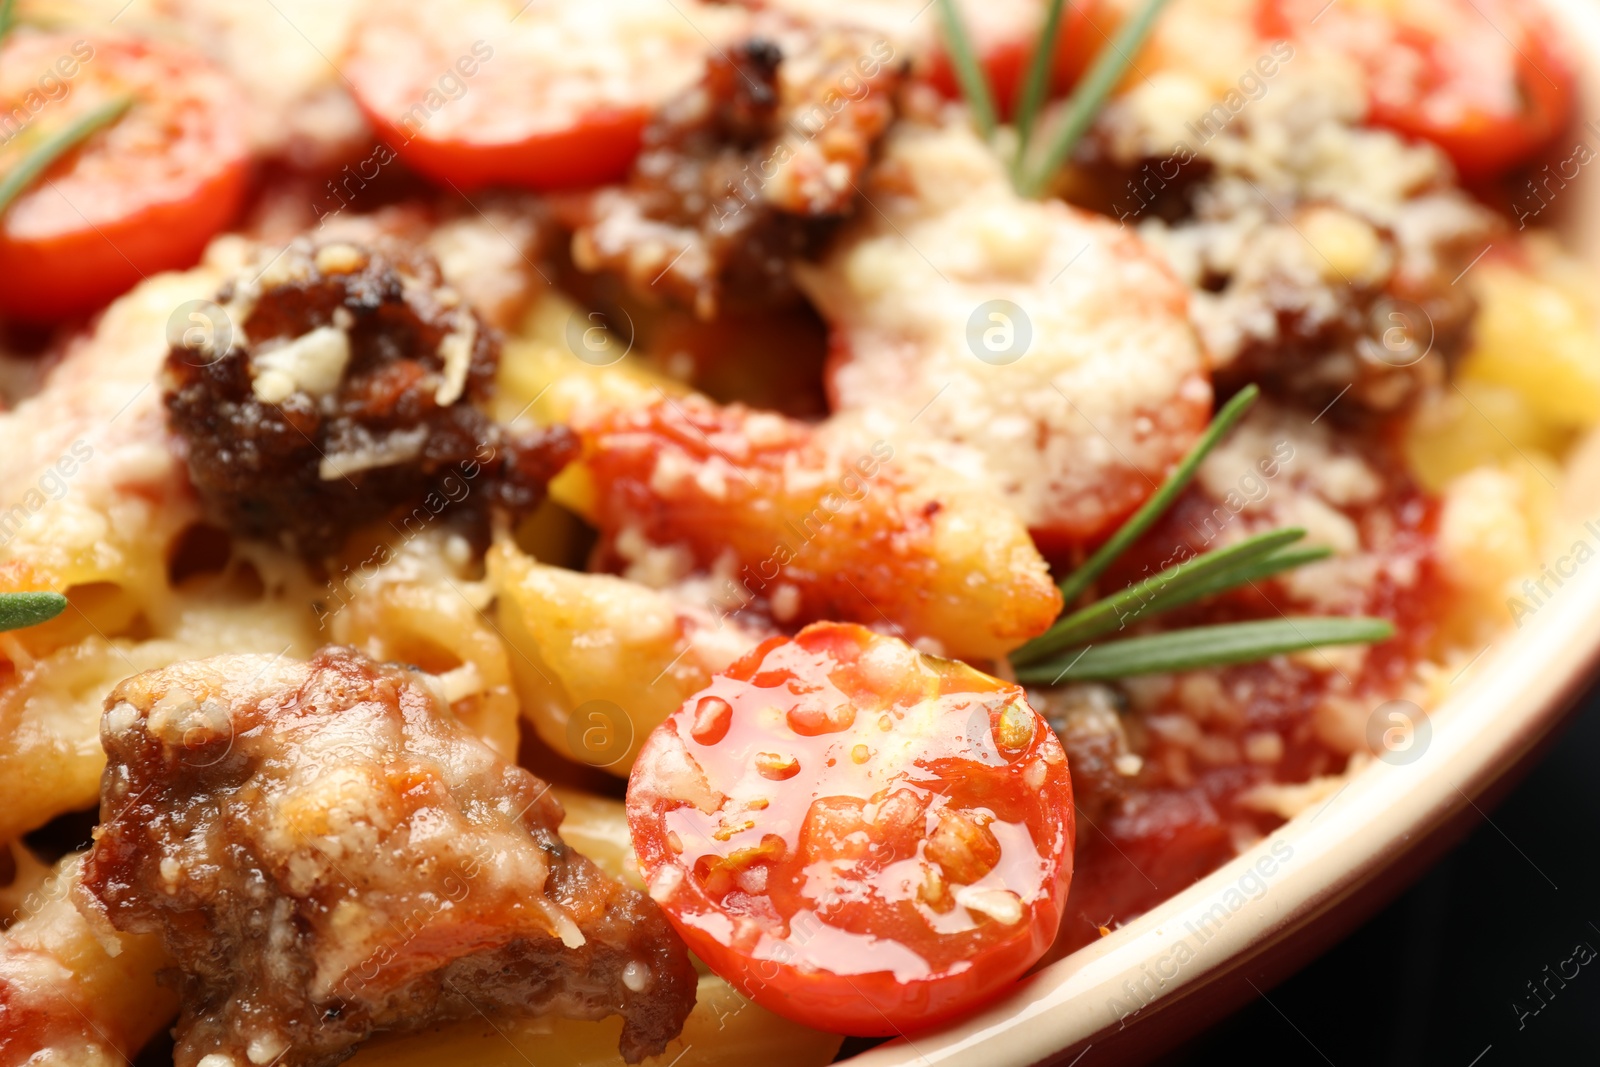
[1105,72]
[1203,575]
[1203,646]
[964,58]
[19,610]
[1034,89]
[56,145]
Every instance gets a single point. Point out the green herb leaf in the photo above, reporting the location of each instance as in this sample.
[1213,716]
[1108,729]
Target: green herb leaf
[1170,588]
[974,86]
[1203,646]
[1109,65]
[57,145]
[8,17]
[1079,580]
[21,610]
[1284,560]
[1033,90]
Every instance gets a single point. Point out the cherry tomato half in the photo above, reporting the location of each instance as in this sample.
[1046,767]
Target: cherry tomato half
[550,94]
[1485,80]
[860,837]
[140,196]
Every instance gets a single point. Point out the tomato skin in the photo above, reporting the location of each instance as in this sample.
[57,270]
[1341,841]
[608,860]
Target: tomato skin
[598,149]
[1485,145]
[76,272]
[143,196]
[1443,103]
[865,791]
[545,96]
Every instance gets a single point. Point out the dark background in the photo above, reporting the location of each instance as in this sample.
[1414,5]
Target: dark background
[1432,979]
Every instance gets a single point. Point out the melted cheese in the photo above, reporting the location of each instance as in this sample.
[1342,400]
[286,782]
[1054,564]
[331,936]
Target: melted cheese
[1028,343]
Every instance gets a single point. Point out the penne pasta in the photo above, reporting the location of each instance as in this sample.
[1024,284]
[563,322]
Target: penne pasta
[632,654]
[724,1030]
[402,600]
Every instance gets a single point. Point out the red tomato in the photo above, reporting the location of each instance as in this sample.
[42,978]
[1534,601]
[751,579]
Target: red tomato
[859,837]
[140,196]
[1485,80]
[551,94]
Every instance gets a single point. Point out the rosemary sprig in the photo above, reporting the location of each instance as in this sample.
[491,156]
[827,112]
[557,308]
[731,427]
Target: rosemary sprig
[1066,650]
[964,58]
[56,145]
[20,610]
[1109,65]
[1033,90]
[1180,584]
[1202,646]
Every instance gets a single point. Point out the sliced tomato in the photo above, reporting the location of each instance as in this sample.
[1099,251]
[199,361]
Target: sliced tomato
[548,94]
[860,837]
[1485,80]
[140,196]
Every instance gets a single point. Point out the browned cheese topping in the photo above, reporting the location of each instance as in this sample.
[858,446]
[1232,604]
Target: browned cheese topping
[745,171]
[336,384]
[326,852]
[1323,253]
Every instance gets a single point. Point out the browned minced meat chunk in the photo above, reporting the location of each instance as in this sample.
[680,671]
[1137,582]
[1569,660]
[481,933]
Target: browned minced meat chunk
[1273,311]
[744,172]
[1089,720]
[1385,345]
[340,387]
[326,852]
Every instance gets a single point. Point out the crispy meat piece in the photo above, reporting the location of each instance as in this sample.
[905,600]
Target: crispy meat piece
[325,852]
[745,172]
[336,385]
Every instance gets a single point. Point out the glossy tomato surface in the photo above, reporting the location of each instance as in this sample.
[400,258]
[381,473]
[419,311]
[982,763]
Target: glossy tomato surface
[1485,80]
[546,96]
[140,196]
[857,836]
